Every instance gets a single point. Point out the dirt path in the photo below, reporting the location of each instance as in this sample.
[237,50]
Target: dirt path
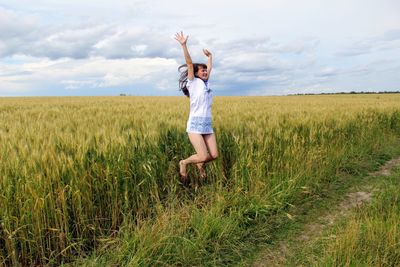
[277,256]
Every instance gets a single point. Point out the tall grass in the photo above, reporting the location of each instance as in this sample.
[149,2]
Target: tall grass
[369,237]
[81,173]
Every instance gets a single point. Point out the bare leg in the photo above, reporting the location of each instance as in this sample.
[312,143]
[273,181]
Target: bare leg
[212,148]
[200,157]
[206,150]
[202,171]
[182,170]
[211,144]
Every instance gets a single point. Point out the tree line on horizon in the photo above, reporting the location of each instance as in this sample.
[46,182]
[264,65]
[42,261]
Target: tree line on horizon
[349,93]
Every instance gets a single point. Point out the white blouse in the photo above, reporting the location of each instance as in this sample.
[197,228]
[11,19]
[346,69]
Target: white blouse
[200,119]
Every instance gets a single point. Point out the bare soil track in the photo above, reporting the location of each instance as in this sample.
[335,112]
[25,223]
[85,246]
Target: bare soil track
[277,256]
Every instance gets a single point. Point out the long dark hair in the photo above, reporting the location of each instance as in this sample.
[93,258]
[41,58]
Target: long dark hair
[184,76]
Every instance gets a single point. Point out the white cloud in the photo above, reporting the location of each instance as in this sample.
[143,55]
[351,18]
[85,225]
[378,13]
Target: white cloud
[387,41]
[90,73]
[259,47]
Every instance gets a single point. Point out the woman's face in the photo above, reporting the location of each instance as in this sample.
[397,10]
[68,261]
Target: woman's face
[202,73]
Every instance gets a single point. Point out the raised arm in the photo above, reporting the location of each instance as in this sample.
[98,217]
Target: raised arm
[182,40]
[209,61]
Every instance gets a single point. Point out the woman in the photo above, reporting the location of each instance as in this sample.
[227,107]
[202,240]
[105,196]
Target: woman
[194,84]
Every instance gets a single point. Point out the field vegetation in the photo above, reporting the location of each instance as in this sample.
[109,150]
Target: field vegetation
[368,236]
[94,180]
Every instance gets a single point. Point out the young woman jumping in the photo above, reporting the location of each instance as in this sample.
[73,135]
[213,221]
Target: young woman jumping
[194,84]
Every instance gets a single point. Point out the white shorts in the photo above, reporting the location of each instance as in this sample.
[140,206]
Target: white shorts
[200,125]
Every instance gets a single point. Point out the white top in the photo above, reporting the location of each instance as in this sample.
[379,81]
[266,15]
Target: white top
[200,107]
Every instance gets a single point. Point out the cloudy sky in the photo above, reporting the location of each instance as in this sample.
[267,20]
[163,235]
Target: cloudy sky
[260,47]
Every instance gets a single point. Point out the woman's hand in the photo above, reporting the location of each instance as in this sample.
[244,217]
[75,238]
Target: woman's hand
[180,38]
[209,61]
[207,53]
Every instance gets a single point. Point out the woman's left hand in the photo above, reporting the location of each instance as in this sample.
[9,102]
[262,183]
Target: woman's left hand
[207,53]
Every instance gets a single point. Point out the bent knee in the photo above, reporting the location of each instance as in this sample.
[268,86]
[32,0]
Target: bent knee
[203,158]
[214,155]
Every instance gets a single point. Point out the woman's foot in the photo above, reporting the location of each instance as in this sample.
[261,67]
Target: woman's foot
[182,171]
[202,171]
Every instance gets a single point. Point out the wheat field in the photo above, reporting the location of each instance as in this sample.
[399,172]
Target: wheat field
[79,174]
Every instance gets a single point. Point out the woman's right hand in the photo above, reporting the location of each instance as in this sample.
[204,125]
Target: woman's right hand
[180,38]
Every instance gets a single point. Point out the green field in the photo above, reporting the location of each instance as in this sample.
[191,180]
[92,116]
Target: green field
[94,180]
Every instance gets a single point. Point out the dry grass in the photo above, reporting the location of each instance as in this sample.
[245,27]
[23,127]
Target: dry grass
[76,170]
